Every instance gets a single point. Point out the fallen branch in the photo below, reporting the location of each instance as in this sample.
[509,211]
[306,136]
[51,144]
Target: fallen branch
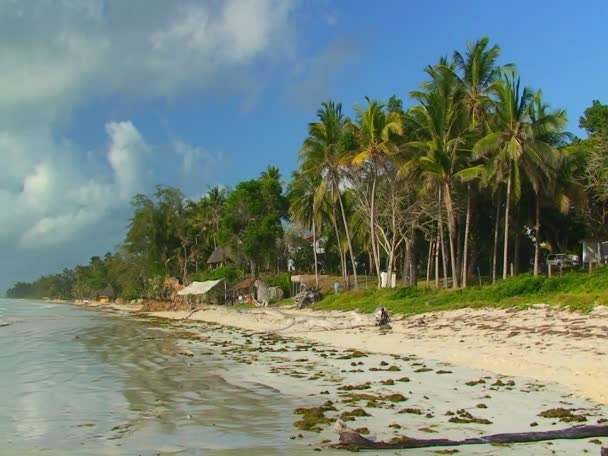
[351,439]
[191,313]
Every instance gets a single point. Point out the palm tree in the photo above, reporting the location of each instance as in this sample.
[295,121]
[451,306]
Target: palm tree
[477,73]
[271,172]
[304,205]
[322,154]
[442,124]
[374,129]
[549,127]
[514,146]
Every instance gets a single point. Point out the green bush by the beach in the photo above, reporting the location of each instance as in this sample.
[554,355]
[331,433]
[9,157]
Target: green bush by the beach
[578,291]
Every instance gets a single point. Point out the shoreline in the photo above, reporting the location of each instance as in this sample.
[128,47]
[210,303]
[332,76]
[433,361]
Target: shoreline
[385,385]
[541,343]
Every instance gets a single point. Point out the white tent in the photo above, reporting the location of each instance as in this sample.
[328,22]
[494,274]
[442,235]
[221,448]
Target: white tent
[199,288]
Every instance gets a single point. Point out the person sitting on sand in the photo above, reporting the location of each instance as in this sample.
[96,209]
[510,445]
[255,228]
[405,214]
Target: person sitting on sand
[382,317]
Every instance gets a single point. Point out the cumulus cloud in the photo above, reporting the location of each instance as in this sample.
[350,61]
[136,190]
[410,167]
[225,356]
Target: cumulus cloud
[55,54]
[53,193]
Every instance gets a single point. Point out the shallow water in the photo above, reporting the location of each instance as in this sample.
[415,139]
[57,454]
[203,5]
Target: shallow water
[80,382]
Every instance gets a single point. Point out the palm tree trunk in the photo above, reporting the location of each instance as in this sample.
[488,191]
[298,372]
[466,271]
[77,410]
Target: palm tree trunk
[340,252]
[465,255]
[428,262]
[537,238]
[442,240]
[437,261]
[314,252]
[413,270]
[451,225]
[505,259]
[515,268]
[373,232]
[406,257]
[495,250]
[350,245]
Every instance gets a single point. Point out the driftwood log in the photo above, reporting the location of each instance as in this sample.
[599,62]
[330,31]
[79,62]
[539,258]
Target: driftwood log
[352,439]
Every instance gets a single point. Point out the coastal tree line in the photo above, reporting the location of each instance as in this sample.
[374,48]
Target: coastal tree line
[477,179]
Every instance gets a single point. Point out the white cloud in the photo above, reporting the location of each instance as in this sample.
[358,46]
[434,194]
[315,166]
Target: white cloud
[55,193]
[197,159]
[125,155]
[55,54]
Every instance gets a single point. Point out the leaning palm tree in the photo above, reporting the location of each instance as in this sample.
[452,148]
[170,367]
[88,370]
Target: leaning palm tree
[322,154]
[514,148]
[375,129]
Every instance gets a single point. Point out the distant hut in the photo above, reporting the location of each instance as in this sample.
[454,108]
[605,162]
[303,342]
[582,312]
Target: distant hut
[208,292]
[106,295]
[243,290]
[217,259]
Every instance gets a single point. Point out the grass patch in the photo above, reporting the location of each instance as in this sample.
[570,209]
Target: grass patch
[577,291]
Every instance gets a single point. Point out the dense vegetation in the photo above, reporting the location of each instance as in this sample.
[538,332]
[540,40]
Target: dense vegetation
[477,178]
[577,291]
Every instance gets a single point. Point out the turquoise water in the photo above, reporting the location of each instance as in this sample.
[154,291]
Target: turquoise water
[81,382]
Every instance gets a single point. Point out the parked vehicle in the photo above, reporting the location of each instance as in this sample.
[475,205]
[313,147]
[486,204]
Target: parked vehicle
[562,260]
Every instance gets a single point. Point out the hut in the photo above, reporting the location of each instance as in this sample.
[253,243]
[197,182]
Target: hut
[106,295]
[244,291]
[208,292]
[217,259]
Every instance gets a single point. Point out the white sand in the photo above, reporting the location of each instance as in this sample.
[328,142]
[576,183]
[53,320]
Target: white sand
[540,343]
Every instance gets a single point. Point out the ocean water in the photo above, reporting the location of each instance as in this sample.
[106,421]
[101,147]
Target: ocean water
[75,381]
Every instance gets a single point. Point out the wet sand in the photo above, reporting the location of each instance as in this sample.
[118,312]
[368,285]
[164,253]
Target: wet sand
[449,374]
[540,343]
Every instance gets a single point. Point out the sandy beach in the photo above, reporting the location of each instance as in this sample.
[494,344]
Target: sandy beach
[456,374]
[539,343]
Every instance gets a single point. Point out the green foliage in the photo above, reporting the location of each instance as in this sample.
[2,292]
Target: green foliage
[229,273]
[282,280]
[578,291]
[595,119]
[252,219]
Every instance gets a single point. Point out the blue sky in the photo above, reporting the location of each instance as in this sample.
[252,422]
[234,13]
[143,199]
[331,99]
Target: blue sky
[108,98]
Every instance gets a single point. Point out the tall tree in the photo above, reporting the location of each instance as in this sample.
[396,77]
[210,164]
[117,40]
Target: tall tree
[441,118]
[304,198]
[375,129]
[322,154]
[514,148]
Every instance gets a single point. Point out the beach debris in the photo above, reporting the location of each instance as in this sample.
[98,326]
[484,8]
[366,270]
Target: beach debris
[307,296]
[351,439]
[382,317]
[314,417]
[564,415]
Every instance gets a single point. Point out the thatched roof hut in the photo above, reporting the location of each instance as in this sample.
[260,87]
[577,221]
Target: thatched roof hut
[217,258]
[107,292]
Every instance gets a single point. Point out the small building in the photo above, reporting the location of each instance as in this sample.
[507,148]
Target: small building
[208,292]
[218,258]
[243,290]
[595,251]
[106,295]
